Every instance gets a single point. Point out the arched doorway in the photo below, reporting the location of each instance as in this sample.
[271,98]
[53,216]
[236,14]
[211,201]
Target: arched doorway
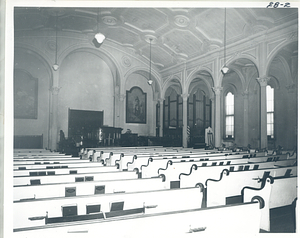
[172,117]
[199,113]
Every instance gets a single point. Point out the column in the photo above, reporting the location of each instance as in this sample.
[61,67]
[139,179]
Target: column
[117,107]
[53,133]
[212,115]
[161,116]
[263,81]
[246,111]
[122,114]
[217,129]
[184,120]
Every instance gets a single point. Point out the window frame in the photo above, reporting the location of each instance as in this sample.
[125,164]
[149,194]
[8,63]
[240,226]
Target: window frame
[229,137]
[272,136]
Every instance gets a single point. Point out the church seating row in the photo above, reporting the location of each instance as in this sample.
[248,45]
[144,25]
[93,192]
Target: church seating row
[48,157]
[60,170]
[201,174]
[240,219]
[48,160]
[135,161]
[128,157]
[57,217]
[174,174]
[277,192]
[57,164]
[88,152]
[73,177]
[221,190]
[29,213]
[86,188]
[153,167]
[139,164]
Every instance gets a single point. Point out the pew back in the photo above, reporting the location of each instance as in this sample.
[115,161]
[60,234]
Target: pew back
[28,213]
[244,219]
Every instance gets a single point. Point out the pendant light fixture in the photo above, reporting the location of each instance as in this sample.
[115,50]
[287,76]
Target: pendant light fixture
[225,69]
[99,37]
[150,81]
[55,66]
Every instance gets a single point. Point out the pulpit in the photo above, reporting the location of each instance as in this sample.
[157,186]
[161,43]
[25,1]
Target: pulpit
[109,136]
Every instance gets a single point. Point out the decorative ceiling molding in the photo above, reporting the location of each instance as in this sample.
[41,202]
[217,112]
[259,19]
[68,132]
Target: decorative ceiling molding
[181,35]
[252,52]
[271,46]
[181,21]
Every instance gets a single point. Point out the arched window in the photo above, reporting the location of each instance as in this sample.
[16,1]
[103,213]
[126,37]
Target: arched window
[229,115]
[270,111]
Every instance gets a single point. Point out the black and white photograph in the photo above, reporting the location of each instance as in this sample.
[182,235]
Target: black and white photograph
[149,119]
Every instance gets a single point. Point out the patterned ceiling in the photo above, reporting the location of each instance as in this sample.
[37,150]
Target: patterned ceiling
[178,34]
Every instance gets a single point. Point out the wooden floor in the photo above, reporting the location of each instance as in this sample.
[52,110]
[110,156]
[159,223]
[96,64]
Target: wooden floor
[282,220]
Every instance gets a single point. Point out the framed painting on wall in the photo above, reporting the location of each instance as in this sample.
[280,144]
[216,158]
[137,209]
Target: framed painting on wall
[136,102]
[25,95]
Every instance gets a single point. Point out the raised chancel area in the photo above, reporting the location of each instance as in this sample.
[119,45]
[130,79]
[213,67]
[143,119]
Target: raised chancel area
[154,122]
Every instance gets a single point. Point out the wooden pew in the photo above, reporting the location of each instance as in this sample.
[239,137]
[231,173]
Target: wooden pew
[73,177]
[60,170]
[128,156]
[154,166]
[16,151]
[50,164]
[135,161]
[51,161]
[109,153]
[45,157]
[86,188]
[276,192]
[241,219]
[88,152]
[227,188]
[177,174]
[124,159]
[30,213]
[138,162]
[110,156]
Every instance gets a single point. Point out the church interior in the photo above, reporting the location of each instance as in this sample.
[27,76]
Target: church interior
[101,94]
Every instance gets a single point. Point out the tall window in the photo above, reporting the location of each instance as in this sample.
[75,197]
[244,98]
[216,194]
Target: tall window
[270,111]
[229,115]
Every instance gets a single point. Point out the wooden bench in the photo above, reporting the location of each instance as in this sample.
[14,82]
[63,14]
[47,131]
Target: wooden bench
[42,157]
[48,164]
[240,219]
[154,166]
[88,152]
[135,161]
[227,188]
[30,213]
[47,160]
[276,192]
[73,177]
[86,188]
[199,174]
[138,162]
[61,169]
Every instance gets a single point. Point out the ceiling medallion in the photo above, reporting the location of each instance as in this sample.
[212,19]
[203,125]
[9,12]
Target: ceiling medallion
[181,21]
[153,39]
[51,45]
[109,20]
[126,61]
